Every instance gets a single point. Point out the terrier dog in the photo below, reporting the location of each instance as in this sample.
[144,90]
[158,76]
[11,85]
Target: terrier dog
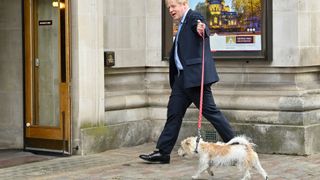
[238,151]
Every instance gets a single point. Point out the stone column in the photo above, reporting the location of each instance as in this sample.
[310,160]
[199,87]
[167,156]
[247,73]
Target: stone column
[87,67]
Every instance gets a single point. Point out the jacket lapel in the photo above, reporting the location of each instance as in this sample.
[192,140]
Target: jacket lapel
[185,22]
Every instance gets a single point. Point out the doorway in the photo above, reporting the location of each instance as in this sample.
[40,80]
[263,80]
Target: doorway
[47,76]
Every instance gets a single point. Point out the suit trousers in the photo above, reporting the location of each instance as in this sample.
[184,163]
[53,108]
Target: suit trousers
[180,99]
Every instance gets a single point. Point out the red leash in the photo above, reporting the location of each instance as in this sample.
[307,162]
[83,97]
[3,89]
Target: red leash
[201,97]
[201,89]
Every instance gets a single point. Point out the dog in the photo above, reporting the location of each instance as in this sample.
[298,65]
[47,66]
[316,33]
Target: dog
[238,151]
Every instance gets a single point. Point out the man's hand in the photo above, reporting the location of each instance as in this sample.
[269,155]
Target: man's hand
[201,28]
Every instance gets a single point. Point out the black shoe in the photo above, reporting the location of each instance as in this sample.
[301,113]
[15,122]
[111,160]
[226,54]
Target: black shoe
[156,157]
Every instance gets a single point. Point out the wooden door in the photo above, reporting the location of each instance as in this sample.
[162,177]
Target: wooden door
[47,75]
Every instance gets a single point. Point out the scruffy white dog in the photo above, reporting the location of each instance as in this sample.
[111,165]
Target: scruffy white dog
[238,151]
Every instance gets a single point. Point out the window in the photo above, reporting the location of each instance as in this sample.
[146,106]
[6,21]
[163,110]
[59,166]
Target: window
[240,29]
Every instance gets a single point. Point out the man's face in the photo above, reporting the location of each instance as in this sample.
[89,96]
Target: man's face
[176,10]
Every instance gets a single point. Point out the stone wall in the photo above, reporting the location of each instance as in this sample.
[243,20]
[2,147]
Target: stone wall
[274,102]
[11,75]
[296,36]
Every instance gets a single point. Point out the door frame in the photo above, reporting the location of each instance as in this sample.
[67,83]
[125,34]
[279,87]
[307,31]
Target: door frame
[36,137]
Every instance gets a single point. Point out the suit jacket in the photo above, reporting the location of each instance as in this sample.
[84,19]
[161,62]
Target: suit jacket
[190,54]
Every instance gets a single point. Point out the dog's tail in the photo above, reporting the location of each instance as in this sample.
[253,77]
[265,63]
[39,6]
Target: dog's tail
[240,140]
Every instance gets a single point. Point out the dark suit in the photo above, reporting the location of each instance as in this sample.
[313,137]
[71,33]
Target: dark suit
[186,84]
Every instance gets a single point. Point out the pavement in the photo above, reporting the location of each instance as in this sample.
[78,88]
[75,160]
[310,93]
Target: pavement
[124,164]
[14,157]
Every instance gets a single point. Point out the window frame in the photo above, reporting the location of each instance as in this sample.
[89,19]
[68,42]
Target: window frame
[266,38]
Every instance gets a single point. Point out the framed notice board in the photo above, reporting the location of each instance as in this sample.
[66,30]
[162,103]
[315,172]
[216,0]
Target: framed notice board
[239,29]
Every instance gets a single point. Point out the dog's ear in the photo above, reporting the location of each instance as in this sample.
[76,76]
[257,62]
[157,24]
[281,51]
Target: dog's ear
[188,142]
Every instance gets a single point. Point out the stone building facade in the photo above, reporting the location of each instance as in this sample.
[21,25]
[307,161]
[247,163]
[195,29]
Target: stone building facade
[275,102]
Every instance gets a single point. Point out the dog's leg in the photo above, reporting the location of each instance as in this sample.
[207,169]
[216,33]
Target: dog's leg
[201,167]
[259,168]
[246,174]
[209,170]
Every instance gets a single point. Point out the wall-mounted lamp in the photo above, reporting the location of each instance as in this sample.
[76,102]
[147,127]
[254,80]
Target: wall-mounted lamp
[56,4]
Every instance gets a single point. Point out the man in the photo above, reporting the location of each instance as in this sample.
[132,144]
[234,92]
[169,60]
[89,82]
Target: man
[185,67]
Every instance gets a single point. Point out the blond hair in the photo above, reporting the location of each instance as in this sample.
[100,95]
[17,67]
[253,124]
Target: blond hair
[179,1]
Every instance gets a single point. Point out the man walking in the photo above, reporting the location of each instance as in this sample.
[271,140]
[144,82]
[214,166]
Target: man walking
[185,78]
